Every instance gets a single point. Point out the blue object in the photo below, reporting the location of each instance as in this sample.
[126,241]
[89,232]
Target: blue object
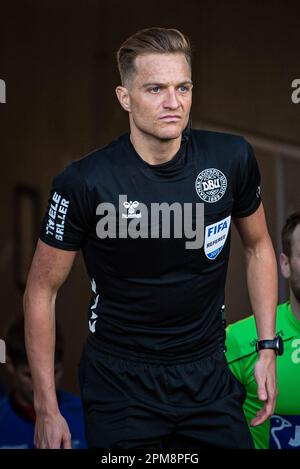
[17,432]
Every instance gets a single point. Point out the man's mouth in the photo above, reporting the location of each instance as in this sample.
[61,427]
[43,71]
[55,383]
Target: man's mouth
[170,118]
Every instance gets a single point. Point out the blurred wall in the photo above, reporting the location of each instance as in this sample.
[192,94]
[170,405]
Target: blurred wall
[58,61]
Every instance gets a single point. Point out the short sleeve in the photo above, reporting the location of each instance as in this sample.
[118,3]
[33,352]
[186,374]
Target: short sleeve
[247,184]
[68,218]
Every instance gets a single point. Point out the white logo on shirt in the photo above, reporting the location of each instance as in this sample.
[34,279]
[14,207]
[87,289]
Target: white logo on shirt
[131,206]
[211,185]
[94,316]
[296,353]
[295,441]
[215,237]
[57,216]
[285,431]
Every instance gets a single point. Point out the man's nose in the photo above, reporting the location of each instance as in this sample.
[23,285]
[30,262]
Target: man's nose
[171,99]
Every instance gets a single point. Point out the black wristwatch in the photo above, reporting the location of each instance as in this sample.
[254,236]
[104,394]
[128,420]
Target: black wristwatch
[276,344]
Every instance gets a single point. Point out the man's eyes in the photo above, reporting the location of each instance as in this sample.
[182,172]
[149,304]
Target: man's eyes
[183,89]
[158,89]
[155,89]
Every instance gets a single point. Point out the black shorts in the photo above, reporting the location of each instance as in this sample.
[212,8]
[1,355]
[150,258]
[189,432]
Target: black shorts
[134,402]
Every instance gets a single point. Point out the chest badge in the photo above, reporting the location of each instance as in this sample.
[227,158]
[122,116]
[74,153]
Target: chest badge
[215,237]
[211,185]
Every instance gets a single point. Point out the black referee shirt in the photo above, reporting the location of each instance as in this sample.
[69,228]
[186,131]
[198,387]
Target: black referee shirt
[150,293]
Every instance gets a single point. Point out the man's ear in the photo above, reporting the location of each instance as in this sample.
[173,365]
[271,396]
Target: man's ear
[123,97]
[285,265]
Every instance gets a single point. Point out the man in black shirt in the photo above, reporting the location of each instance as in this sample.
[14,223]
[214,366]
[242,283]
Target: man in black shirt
[151,213]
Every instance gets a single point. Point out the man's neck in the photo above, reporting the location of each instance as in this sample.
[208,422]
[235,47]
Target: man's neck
[295,306]
[153,150]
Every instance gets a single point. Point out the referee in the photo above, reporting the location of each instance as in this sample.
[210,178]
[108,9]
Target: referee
[151,213]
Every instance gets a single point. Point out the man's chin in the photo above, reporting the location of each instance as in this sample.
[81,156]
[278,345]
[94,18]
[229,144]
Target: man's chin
[165,133]
[168,138]
[170,134]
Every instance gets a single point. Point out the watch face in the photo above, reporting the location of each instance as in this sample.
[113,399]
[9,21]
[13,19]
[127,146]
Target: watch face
[279,345]
[276,344]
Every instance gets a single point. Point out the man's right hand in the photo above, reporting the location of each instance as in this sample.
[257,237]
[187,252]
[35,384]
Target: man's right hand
[52,431]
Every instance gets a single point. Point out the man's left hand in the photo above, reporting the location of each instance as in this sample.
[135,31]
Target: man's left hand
[265,377]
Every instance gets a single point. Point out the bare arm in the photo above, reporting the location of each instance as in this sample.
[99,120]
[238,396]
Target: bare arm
[261,269]
[50,268]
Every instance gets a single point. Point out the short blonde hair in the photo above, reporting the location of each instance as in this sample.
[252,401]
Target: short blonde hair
[149,41]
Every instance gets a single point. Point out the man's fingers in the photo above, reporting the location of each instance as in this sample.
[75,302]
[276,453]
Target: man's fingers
[66,442]
[258,421]
[272,394]
[268,409]
[52,442]
[265,376]
[261,390]
[260,417]
[52,434]
[263,414]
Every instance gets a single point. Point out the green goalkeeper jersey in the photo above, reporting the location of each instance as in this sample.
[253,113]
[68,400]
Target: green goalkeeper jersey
[282,430]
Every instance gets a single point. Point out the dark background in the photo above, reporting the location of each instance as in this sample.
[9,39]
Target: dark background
[57,58]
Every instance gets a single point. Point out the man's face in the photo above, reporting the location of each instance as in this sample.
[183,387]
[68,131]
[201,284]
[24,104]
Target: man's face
[295,263]
[159,95]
